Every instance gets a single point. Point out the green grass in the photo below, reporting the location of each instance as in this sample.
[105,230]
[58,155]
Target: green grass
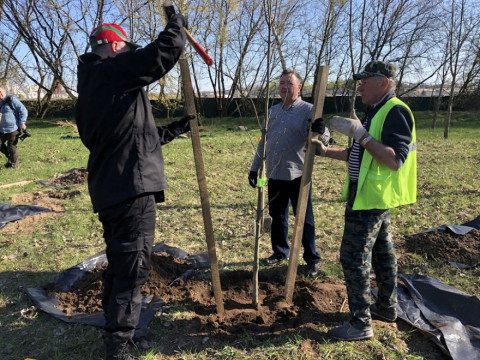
[33,253]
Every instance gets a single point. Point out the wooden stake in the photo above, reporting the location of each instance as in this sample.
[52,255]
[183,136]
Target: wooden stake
[202,182]
[20,183]
[305,184]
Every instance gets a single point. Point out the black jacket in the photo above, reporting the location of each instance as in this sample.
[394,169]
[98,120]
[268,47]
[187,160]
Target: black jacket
[115,121]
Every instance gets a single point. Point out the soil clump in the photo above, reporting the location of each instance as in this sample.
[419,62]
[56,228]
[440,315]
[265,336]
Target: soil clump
[442,246]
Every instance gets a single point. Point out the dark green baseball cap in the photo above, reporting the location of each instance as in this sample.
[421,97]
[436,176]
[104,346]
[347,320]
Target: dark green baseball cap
[377,68]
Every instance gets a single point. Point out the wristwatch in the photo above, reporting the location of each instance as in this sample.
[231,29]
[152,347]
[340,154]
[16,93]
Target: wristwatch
[365,141]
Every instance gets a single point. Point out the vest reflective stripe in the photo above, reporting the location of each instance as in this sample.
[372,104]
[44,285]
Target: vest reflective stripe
[378,186]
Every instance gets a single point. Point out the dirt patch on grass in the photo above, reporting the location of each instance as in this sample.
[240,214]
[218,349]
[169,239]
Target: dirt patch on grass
[441,246]
[72,177]
[196,293]
[50,199]
[317,304]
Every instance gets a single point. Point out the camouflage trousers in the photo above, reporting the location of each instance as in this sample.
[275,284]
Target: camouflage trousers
[367,241]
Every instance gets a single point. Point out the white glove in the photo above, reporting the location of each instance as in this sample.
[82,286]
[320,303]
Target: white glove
[320,148]
[351,127]
[353,115]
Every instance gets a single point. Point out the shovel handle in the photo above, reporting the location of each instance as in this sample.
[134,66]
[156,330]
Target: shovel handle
[198,48]
[170,10]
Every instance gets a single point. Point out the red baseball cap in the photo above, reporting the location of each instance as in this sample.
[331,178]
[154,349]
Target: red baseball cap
[107,33]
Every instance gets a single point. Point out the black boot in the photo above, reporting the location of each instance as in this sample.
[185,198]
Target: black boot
[118,351]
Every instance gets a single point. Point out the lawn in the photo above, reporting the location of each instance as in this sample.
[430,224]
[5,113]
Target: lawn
[37,248]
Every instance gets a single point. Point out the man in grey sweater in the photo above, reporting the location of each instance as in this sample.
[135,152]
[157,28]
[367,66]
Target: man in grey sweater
[286,141]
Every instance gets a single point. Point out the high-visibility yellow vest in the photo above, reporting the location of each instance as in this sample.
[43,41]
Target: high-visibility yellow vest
[378,186]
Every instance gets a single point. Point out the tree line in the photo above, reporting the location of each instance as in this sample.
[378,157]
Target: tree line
[434,42]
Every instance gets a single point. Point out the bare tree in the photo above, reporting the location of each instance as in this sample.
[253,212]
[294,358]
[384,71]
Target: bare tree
[237,24]
[45,33]
[462,23]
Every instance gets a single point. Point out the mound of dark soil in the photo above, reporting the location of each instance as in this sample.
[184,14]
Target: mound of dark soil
[319,296]
[444,246]
[313,299]
[73,177]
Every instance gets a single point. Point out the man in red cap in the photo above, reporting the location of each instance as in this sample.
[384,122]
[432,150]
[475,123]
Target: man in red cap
[125,167]
[109,33]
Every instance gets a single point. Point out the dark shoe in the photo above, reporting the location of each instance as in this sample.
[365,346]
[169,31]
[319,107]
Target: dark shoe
[349,332]
[274,259]
[312,270]
[387,314]
[120,352]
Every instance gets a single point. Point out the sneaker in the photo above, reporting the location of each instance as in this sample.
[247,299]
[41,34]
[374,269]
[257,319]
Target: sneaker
[274,259]
[349,332]
[312,270]
[387,314]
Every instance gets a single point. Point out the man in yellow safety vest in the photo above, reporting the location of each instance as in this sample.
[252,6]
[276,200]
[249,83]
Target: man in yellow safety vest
[382,174]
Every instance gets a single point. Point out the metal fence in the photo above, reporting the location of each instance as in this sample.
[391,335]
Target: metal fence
[207,107]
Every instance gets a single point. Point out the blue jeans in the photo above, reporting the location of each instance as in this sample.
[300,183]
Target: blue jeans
[280,194]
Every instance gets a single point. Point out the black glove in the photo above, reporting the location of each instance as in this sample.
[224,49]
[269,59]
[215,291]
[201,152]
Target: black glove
[252,179]
[184,123]
[169,9]
[169,132]
[183,20]
[318,126]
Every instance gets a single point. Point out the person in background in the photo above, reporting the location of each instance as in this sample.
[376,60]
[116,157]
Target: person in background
[382,174]
[13,116]
[288,126]
[125,167]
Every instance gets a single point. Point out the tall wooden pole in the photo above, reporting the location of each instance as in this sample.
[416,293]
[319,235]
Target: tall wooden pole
[305,184]
[202,182]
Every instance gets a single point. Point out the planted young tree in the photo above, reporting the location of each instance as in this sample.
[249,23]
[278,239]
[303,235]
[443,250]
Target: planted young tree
[259,221]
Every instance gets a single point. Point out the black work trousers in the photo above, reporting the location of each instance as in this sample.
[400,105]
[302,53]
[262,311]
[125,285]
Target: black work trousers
[281,193]
[129,232]
[9,146]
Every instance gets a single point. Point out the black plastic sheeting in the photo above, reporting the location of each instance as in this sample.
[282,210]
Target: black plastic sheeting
[460,229]
[150,305]
[450,317]
[9,213]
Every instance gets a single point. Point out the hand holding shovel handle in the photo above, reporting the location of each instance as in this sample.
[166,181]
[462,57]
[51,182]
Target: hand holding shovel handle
[170,11]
